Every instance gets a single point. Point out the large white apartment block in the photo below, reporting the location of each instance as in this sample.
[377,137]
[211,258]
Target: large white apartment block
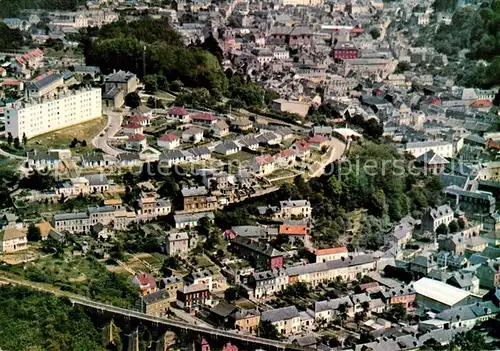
[443,148]
[45,115]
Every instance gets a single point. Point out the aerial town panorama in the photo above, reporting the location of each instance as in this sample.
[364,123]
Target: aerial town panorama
[244,175]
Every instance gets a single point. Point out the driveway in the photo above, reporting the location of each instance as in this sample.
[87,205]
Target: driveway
[337,148]
[112,127]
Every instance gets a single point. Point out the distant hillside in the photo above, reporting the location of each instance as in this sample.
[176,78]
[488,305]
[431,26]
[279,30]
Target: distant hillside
[10,8]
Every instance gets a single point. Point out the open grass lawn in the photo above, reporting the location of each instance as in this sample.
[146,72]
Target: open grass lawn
[160,94]
[61,139]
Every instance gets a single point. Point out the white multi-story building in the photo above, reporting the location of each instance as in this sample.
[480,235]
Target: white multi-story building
[443,148]
[33,118]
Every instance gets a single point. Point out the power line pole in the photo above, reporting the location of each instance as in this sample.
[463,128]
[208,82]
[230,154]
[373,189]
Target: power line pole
[144,62]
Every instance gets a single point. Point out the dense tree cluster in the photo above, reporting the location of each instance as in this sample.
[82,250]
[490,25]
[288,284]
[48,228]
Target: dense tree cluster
[123,45]
[14,8]
[10,38]
[33,320]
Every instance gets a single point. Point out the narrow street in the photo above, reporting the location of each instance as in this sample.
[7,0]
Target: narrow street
[112,127]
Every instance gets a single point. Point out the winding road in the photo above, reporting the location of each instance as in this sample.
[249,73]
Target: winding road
[100,141]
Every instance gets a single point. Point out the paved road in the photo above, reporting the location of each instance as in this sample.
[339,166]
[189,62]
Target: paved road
[14,157]
[112,127]
[338,151]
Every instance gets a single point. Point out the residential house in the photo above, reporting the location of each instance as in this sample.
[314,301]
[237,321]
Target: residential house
[260,255]
[267,283]
[263,165]
[180,114]
[418,148]
[192,297]
[220,129]
[227,148]
[434,217]
[201,276]
[464,280]
[330,254]
[145,282]
[203,118]
[197,199]
[192,135]
[156,304]
[177,244]
[13,239]
[328,310]
[432,163]
[191,220]
[241,124]
[246,321]
[293,232]
[171,284]
[133,128]
[168,141]
[136,142]
[286,320]
[402,295]
[318,141]
[422,265]
[489,274]
[302,149]
[285,158]
[175,157]
[294,209]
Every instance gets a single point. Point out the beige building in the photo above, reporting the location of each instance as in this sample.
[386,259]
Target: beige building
[80,222]
[12,240]
[286,320]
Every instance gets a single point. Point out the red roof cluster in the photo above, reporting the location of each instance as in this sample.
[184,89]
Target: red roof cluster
[29,55]
[132,125]
[285,153]
[168,137]
[178,111]
[481,103]
[293,229]
[146,279]
[264,159]
[302,145]
[136,137]
[331,251]
[317,139]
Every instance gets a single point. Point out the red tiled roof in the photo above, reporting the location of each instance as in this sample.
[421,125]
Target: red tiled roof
[146,279]
[178,111]
[331,251]
[204,117]
[136,137]
[317,139]
[286,153]
[168,137]
[481,103]
[302,145]
[132,125]
[293,229]
[11,82]
[264,159]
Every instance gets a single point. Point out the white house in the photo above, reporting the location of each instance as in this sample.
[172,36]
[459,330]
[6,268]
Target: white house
[168,141]
[192,135]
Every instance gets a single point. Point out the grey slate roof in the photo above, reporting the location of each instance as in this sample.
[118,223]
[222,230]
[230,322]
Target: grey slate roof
[280,314]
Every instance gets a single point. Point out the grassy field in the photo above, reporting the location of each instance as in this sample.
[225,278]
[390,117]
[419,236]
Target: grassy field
[60,139]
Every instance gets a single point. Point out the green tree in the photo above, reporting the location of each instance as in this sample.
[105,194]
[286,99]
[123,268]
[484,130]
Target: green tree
[34,233]
[10,139]
[171,262]
[461,223]
[17,144]
[442,229]
[375,33]
[151,83]
[453,227]
[267,330]
[469,341]
[132,100]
